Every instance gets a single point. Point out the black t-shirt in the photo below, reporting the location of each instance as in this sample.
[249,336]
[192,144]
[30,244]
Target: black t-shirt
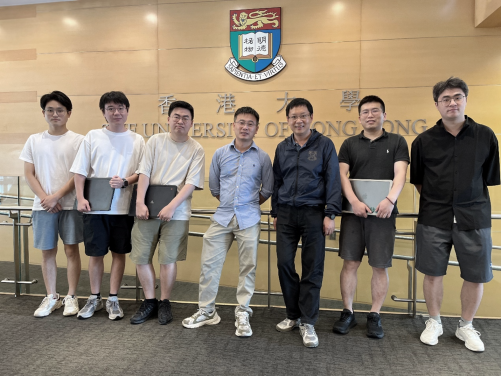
[374,159]
[454,173]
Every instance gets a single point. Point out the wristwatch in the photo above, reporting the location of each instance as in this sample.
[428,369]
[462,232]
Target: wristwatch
[332,216]
[126,183]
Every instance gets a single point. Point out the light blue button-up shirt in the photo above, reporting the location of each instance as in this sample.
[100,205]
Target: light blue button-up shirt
[238,179]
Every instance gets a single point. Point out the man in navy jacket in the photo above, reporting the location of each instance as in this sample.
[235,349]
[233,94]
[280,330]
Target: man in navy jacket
[306,198]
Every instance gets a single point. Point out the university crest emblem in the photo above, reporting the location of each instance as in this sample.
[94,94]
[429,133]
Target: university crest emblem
[255,36]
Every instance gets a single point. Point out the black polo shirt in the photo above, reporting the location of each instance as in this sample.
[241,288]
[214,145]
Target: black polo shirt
[374,159]
[454,173]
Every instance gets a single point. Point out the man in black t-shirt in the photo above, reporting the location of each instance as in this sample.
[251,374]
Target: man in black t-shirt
[374,154]
[452,165]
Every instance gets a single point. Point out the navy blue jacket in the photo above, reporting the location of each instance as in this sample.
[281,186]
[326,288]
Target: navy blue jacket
[307,177]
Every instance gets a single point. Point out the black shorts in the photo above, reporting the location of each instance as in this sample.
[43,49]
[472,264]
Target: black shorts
[375,234]
[106,231]
[473,251]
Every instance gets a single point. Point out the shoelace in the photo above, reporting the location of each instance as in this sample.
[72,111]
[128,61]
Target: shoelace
[45,302]
[200,312]
[431,324]
[242,319]
[310,330]
[374,319]
[68,299]
[115,306]
[344,316]
[471,330]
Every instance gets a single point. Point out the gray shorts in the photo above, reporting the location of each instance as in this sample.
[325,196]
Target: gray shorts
[473,251]
[46,226]
[375,234]
[171,238]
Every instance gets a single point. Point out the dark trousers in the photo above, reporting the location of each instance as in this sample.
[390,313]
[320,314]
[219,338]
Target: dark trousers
[301,296]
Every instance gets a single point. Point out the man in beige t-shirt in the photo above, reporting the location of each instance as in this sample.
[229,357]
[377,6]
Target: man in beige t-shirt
[171,158]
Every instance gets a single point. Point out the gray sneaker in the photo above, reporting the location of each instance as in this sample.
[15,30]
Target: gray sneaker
[242,324]
[113,308]
[287,325]
[310,338]
[201,318]
[93,304]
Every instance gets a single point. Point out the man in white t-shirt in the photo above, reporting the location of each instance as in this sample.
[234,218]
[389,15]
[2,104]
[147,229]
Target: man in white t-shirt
[112,152]
[176,159]
[47,158]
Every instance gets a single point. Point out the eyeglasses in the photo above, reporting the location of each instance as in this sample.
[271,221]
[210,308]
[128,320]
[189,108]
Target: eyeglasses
[373,111]
[458,99]
[184,119]
[113,109]
[303,117]
[59,111]
[242,123]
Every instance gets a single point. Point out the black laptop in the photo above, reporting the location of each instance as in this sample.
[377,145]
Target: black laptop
[156,198]
[99,193]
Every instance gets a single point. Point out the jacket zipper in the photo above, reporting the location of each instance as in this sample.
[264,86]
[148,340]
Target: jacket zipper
[297,178]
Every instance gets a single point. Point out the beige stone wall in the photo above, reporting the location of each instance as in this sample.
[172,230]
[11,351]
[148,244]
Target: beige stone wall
[154,48]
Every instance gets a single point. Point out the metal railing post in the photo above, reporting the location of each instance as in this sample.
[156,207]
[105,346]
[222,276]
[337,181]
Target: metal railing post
[414,273]
[269,263]
[17,252]
[26,259]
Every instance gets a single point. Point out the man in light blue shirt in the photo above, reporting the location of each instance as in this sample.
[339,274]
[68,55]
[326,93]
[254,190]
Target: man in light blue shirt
[241,178]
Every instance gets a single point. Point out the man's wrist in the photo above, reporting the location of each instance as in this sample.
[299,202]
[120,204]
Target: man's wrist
[330,216]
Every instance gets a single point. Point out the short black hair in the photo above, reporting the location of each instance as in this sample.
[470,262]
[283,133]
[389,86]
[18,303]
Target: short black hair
[182,104]
[297,102]
[57,96]
[116,97]
[451,83]
[246,110]
[370,99]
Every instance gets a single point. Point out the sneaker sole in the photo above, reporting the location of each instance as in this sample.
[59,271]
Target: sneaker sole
[165,322]
[430,343]
[70,313]
[459,336]
[214,321]
[115,318]
[53,309]
[338,331]
[82,317]
[310,345]
[375,335]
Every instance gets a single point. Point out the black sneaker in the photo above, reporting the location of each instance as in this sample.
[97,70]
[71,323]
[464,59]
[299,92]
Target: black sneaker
[374,328]
[164,312]
[146,311]
[345,323]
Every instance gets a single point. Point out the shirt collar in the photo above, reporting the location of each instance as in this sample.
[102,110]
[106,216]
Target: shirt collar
[362,136]
[253,146]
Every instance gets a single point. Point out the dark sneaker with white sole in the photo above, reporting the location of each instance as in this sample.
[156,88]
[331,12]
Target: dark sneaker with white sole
[345,322]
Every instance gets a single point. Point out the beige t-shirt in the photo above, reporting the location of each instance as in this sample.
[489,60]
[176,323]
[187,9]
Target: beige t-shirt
[52,157]
[104,154]
[167,162]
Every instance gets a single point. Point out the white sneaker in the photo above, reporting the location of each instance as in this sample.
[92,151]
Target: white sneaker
[310,338]
[432,332]
[471,338]
[93,304]
[113,308]
[70,305]
[242,324]
[287,325]
[48,305]
[201,318]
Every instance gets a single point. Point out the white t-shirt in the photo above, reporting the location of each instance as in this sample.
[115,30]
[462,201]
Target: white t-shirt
[104,154]
[167,162]
[52,157]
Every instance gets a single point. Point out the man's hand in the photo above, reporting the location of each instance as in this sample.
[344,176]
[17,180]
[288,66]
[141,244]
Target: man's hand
[166,213]
[83,206]
[116,182]
[384,209]
[49,203]
[56,208]
[329,226]
[275,223]
[360,209]
[142,211]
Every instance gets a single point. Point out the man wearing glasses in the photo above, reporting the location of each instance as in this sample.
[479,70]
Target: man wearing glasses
[452,165]
[241,178]
[306,198]
[112,151]
[47,160]
[172,158]
[377,155]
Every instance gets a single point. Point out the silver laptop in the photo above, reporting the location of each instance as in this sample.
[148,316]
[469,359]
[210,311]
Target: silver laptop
[370,192]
